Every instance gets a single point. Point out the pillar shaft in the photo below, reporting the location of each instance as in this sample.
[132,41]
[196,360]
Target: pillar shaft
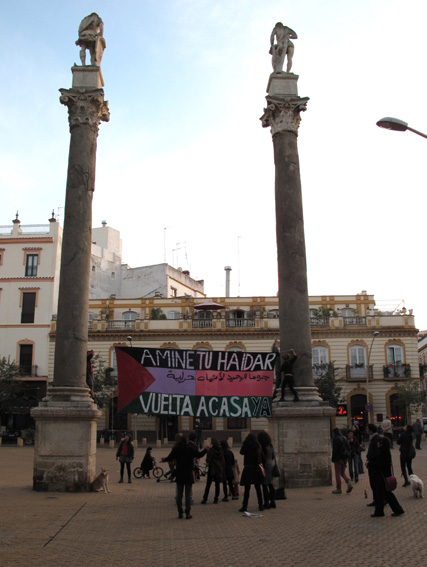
[73,301]
[292,268]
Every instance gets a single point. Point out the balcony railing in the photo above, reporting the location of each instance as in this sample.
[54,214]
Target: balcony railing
[397,371]
[234,323]
[202,323]
[358,372]
[354,321]
[120,324]
[319,321]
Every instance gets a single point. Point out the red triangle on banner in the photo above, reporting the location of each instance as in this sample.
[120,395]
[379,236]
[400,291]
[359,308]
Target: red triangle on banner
[133,378]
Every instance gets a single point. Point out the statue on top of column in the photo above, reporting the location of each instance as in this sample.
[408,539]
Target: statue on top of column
[284,47]
[91,31]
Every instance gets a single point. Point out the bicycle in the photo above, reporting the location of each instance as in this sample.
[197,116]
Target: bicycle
[157,472]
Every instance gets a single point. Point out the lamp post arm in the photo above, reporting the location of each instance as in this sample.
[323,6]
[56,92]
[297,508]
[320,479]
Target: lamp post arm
[416,132]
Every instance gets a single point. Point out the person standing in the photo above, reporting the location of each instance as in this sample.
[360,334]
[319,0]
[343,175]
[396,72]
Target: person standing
[216,474]
[387,427]
[252,473]
[407,452]
[353,461]
[183,454]
[418,431]
[378,462]
[228,484]
[268,457]
[125,454]
[340,454]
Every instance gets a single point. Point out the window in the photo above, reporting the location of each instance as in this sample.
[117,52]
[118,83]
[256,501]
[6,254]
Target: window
[394,354]
[31,263]
[174,292]
[26,358]
[236,423]
[173,315]
[320,355]
[28,307]
[129,316]
[358,356]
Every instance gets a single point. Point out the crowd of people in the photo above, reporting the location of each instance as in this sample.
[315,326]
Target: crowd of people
[347,449]
[259,466]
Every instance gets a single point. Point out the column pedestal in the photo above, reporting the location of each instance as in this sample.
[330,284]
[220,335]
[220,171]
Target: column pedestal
[300,432]
[65,448]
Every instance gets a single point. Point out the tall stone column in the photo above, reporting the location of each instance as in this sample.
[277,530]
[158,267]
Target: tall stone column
[65,447]
[300,430]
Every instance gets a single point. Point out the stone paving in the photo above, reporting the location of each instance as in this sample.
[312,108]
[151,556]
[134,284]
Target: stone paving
[137,524]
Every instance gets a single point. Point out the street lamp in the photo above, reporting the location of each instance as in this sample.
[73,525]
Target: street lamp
[129,338]
[368,370]
[397,125]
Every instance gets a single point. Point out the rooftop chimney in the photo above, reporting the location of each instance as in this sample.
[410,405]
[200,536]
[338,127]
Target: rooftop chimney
[227,280]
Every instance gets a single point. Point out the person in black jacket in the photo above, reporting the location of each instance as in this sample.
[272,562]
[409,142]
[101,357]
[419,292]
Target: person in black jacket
[288,378]
[378,462]
[407,452]
[341,451]
[252,473]
[183,454]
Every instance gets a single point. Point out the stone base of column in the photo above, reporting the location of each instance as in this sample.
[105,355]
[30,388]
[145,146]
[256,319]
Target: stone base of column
[301,437]
[65,446]
[283,84]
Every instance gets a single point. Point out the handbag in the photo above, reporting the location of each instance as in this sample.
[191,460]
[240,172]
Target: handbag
[261,466]
[275,471]
[390,481]
[412,453]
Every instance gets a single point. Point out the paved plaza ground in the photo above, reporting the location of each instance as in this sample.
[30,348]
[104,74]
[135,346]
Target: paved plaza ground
[137,524]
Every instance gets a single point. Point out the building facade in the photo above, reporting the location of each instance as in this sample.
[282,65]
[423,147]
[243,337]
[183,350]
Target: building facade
[29,281]
[372,351]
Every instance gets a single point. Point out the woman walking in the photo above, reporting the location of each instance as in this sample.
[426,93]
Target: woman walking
[252,472]
[268,457]
[407,452]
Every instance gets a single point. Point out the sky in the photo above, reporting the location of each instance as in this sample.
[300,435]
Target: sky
[185,170]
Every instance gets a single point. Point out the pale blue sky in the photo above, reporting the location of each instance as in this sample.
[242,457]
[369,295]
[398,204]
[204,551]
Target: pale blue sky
[185,149]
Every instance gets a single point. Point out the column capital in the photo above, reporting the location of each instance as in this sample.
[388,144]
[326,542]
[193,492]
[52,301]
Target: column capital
[283,114]
[85,107]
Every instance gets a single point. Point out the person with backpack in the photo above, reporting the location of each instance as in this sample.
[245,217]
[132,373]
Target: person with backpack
[341,452]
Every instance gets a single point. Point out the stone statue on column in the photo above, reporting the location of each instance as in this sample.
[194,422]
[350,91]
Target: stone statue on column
[282,48]
[91,32]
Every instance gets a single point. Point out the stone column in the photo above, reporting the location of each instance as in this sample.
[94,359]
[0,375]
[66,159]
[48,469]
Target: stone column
[300,430]
[65,446]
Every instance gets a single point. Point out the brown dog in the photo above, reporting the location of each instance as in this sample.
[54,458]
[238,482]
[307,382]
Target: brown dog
[101,482]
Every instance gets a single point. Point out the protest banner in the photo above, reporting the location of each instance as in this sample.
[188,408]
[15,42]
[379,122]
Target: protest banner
[195,383]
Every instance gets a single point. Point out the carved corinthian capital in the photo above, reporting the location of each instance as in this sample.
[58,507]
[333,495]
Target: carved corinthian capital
[283,115]
[85,107]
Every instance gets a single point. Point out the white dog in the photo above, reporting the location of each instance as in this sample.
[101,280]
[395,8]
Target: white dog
[417,485]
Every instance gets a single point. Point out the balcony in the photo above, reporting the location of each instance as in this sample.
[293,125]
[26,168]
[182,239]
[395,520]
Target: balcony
[238,323]
[319,322]
[115,324]
[354,321]
[202,323]
[358,372]
[396,371]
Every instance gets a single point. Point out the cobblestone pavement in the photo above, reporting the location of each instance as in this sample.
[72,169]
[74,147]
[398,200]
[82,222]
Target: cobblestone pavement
[137,524]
